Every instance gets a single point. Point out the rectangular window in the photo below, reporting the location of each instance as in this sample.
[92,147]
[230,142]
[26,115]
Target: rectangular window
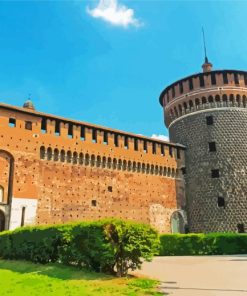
[213,78]
[173,92]
[12,122]
[209,120]
[212,146]
[201,78]
[221,202]
[94,203]
[215,173]
[245,79]
[178,153]
[170,151]
[145,146]
[57,128]
[236,78]
[70,131]
[162,148]
[105,138]
[28,125]
[191,83]
[116,140]
[23,210]
[126,142]
[154,148]
[43,126]
[110,188]
[94,135]
[225,78]
[82,135]
[136,144]
[181,88]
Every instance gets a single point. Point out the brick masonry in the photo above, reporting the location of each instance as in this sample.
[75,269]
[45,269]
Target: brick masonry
[73,171]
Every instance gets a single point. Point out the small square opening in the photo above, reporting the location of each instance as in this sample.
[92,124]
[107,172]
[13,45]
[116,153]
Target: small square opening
[12,122]
[183,170]
[209,120]
[215,173]
[221,202]
[212,146]
[28,125]
[94,202]
[240,227]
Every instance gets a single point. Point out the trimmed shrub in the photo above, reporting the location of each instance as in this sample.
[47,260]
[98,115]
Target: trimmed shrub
[203,244]
[131,243]
[106,245]
[85,244]
[36,244]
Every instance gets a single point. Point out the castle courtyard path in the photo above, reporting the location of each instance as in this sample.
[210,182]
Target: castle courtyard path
[200,275]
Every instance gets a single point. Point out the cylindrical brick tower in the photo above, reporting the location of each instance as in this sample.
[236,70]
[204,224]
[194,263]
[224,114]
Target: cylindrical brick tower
[207,112]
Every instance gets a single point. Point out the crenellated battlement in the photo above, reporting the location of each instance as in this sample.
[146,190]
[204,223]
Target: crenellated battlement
[58,132]
[214,89]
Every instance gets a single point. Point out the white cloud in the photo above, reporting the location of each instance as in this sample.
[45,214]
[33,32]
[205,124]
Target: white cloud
[160,137]
[116,14]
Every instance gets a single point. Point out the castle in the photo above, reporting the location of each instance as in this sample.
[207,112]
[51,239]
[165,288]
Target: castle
[56,170]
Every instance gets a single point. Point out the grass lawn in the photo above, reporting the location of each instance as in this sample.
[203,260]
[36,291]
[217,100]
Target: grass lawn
[24,278]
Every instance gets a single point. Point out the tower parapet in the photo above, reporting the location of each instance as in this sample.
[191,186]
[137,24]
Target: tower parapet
[210,89]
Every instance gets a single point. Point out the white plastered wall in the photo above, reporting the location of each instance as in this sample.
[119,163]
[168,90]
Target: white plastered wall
[16,212]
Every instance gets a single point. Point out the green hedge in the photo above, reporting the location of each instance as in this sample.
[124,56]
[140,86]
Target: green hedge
[106,245]
[203,244]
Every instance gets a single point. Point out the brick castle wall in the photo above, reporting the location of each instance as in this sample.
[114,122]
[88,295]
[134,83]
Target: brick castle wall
[78,171]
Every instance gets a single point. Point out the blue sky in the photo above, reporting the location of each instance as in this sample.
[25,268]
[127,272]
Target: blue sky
[106,63]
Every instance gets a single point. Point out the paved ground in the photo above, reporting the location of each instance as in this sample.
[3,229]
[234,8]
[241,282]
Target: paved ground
[200,275]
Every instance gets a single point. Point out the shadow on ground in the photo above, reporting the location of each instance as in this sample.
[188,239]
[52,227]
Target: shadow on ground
[53,270]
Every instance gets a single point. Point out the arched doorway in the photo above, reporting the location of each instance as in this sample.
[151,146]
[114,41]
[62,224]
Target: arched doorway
[177,223]
[6,175]
[2,221]
[1,193]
